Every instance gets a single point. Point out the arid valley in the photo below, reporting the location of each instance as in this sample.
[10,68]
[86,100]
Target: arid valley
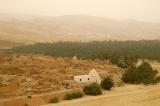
[79,53]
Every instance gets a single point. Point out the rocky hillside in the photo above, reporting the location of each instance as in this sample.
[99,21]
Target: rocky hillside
[34,74]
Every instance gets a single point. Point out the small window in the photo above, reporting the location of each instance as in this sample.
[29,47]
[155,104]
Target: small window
[80,79]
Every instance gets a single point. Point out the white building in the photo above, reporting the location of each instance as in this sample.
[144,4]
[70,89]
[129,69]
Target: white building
[82,78]
[93,76]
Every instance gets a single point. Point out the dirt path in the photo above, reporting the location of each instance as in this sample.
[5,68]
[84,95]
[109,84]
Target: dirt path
[129,95]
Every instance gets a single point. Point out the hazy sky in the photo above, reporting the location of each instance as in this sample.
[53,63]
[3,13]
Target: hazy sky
[143,10]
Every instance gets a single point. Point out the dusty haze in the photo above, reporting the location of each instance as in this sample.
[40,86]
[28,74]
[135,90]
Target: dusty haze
[142,10]
[32,21]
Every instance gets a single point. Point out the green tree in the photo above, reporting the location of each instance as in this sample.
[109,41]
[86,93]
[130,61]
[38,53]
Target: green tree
[118,52]
[126,61]
[142,74]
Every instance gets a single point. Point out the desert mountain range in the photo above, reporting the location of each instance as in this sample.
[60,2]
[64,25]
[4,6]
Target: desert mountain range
[30,29]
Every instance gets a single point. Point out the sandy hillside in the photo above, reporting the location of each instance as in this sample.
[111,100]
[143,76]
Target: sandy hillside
[8,44]
[31,29]
[129,95]
[20,74]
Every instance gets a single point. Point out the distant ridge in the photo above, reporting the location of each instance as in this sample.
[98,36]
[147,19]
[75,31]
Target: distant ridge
[8,44]
[31,29]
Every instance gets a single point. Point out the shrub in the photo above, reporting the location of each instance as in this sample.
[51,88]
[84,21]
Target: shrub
[107,83]
[142,74]
[29,96]
[54,100]
[77,95]
[73,95]
[92,89]
[26,105]
[129,76]
[68,97]
[157,79]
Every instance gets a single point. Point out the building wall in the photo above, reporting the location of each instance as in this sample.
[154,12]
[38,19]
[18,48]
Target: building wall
[95,76]
[82,78]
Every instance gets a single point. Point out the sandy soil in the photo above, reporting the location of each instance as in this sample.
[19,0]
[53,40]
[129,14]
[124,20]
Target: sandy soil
[128,95]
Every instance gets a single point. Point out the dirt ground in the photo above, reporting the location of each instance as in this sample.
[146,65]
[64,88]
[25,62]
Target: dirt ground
[128,95]
[23,74]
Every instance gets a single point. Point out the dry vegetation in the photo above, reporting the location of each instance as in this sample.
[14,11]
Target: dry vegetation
[21,74]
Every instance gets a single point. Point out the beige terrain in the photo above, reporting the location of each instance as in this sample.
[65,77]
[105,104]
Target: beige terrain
[8,44]
[43,76]
[38,75]
[128,95]
[21,74]
[30,29]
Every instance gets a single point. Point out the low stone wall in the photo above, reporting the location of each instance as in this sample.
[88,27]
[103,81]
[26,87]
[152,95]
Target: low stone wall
[36,100]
